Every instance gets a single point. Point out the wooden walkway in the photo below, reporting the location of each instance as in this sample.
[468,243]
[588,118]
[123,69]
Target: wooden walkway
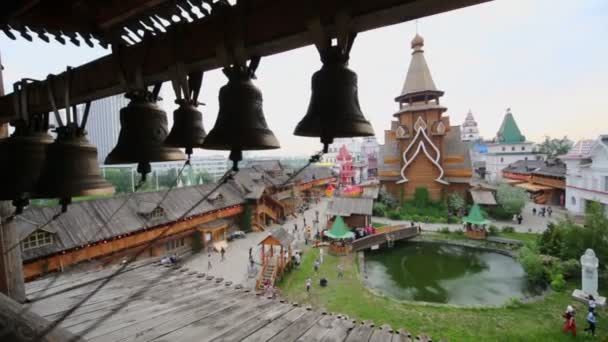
[183,305]
[383,235]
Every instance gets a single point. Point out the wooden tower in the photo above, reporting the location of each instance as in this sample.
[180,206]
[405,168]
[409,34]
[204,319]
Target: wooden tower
[415,147]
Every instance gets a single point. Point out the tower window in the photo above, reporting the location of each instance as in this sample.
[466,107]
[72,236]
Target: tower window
[512,148]
[502,159]
[504,148]
[523,148]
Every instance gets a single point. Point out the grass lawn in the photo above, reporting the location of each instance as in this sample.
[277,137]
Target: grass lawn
[539,321]
[525,237]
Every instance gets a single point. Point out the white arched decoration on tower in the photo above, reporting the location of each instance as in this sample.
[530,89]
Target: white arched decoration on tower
[420,126]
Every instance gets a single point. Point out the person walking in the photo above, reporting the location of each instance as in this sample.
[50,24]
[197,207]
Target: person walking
[209,266]
[591,322]
[519,218]
[321,255]
[316,266]
[340,271]
[222,253]
[308,284]
[570,324]
[591,304]
[549,211]
[514,218]
[534,211]
[298,260]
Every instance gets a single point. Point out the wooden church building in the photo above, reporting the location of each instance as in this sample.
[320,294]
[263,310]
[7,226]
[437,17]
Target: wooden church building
[421,149]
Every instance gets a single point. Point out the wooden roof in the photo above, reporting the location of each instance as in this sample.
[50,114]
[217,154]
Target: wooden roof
[262,27]
[183,305]
[346,206]
[81,224]
[280,235]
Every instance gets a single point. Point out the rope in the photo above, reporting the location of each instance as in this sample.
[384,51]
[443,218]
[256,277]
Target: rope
[227,176]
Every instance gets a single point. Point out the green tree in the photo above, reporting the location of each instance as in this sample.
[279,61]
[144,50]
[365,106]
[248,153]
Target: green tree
[456,201]
[387,199]
[167,179]
[421,197]
[553,147]
[204,177]
[511,199]
[246,218]
[120,178]
[532,263]
[197,241]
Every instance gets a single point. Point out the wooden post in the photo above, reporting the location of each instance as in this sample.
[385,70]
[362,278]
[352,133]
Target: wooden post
[11,265]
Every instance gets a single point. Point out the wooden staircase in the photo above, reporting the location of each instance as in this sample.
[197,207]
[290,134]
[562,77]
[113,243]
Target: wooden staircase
[268,273]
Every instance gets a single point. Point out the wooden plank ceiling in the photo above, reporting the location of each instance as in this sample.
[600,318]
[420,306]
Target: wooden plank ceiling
[266,27]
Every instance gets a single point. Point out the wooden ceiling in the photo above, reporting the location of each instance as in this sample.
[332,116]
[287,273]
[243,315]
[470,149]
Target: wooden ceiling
[265,27]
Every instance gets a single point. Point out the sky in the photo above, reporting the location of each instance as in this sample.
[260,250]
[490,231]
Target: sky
[544,59]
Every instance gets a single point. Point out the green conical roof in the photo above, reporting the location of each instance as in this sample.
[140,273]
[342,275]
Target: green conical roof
[339,230]
[508,131]
[475,216]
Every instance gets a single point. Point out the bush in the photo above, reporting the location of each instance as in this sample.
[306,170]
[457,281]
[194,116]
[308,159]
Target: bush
[493,230]
[394,214]
[379,209]
[508,229]
[458,232]
[571,268]
[456,201]
[444,230]
[533,265]
[558,283]
[422,198]
[387,199]
[513,303]
[499,213]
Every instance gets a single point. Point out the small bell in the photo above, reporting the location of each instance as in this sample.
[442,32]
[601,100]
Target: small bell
[334,110]
[143,129]
[240,122]
[71,168]
[187,131]
[22,156]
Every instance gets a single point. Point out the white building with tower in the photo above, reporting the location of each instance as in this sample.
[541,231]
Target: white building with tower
[469,130]
[103,125]
[509,146]
[587,174]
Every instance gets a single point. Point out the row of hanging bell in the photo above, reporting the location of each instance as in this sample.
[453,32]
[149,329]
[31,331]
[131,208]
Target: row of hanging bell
[43,168]
[334,110]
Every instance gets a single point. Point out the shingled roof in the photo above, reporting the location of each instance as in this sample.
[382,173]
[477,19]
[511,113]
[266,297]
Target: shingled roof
[418,79]
[524,167]
[184,305]
[81,224]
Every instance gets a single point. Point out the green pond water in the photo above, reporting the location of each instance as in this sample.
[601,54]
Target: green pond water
[439,273]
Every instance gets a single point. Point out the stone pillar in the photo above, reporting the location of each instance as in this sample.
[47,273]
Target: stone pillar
[589,266]
[11,265]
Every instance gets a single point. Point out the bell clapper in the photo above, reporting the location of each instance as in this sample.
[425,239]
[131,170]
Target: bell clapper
[236,156]
[143,168]
[65,201]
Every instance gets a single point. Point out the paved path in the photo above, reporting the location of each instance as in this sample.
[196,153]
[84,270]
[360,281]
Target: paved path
[235,267]
[530,224]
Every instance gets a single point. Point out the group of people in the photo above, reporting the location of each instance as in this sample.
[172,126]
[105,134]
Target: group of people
[570,314]
[518,218]
[542,211]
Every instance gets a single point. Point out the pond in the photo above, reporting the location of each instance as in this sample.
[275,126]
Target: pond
[439,273]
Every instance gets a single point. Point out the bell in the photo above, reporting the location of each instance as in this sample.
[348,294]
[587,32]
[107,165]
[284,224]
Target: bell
[71,168]
[240,122]
[143,129]
[187,131]
[334,110]
[23,155]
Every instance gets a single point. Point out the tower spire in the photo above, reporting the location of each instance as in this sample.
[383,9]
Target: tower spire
[419,84]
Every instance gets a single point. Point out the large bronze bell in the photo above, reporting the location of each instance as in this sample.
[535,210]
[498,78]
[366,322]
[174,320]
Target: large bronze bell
[71,168]
[334,110]
[187,131]
[22,157]
[143,129]
[240,122]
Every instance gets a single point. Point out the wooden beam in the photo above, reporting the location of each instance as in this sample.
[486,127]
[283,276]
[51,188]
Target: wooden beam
[277,26]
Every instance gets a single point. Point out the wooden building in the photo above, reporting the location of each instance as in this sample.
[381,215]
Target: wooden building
[544,180]
[276,253]
[421,149]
